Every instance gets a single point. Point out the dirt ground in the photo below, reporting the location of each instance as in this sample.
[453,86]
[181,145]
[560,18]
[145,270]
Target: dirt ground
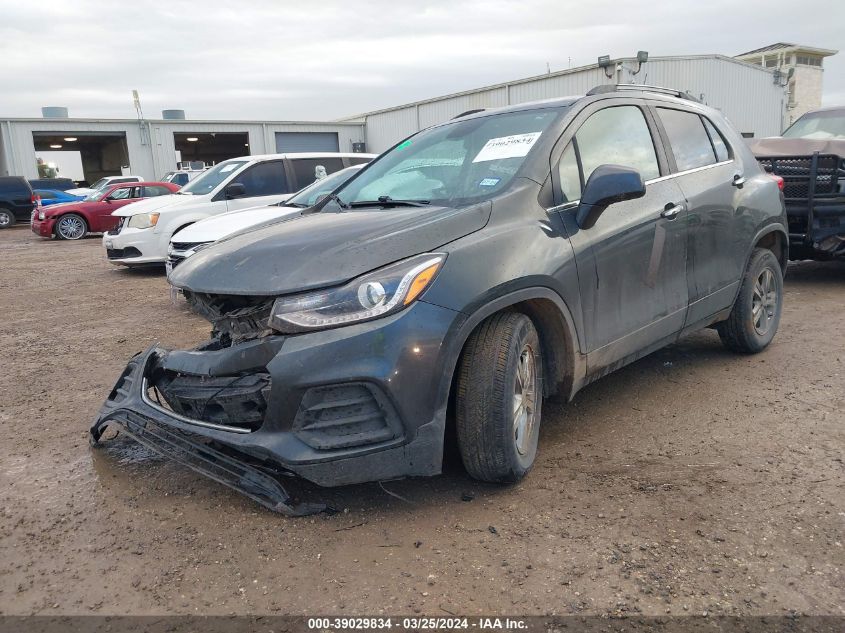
[692,481]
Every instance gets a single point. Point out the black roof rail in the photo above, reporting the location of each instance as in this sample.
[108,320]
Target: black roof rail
[607,88]
[468,112]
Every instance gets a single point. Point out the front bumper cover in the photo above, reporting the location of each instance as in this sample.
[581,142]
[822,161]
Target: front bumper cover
[362,403]
[151,426]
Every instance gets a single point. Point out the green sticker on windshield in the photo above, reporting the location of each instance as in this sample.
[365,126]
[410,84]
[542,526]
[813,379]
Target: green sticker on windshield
[404,144]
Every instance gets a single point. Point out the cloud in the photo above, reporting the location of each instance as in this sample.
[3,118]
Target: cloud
[258,59]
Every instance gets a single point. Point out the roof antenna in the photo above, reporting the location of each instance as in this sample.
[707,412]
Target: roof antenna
[548,69]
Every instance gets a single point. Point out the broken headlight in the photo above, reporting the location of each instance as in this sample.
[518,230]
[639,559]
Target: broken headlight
[381,292]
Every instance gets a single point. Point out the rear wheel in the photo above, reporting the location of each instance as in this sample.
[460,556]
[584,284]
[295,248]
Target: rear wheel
[71,227]
[499,398]
[754,320]
[7,218]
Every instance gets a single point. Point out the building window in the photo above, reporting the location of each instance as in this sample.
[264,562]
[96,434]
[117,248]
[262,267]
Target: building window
[807,60]
[772,62]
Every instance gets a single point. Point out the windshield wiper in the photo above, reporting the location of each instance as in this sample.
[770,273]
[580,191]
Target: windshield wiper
[387,201]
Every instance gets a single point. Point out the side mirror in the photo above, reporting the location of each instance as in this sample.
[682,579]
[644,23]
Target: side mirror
[606,185]
[109,199]
[235,190]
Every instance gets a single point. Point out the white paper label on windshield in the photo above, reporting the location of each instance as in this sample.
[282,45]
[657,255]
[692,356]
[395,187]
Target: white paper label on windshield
[507,147]
[229,168]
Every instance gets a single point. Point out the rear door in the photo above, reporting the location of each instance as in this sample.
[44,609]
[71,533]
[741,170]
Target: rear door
[632,263]
[709,177]
[265,183]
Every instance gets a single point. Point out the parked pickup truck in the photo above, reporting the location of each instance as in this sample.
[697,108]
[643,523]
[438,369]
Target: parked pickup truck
[810,157]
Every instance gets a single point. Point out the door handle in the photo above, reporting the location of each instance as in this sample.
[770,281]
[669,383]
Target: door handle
[672,211]
[738,180]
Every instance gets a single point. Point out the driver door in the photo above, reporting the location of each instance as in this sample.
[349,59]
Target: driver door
[632,263]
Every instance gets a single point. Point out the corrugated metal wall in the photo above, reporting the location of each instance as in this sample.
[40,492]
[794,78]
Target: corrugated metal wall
[746,94]
[154,156]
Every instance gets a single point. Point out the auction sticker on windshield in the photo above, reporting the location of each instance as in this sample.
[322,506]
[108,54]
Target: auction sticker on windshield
[514,146]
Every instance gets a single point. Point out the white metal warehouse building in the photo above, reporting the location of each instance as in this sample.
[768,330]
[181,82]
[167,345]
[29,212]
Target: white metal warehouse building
[747,94]
[752,97]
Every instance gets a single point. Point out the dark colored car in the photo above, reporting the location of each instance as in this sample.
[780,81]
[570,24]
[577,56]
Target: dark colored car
[74,220]
[49,197]
[468,273]
[58,184]
[810,157]
[17,200]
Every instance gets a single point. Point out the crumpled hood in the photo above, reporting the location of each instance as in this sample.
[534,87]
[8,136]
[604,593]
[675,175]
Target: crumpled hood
[323,249]
[779,146]
[154,204]
[219,226]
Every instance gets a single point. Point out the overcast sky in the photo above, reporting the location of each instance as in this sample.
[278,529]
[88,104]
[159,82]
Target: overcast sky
[323,59]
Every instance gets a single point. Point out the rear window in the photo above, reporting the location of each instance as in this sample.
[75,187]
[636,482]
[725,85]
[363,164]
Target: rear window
[691,145]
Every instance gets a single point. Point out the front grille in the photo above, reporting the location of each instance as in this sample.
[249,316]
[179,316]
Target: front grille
[798,178]
[184,246]
[239,402]
[122,253]
[174,260]
[341,416]
[241,317]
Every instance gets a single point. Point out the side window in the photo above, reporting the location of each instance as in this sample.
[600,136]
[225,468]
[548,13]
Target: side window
[617,135]
[358,160]
[570,177]
[690,143]
[264,179]
[47,195]
[718,141]
[307,170]
[121,194]
[180,179]
[156,190]
[137,192]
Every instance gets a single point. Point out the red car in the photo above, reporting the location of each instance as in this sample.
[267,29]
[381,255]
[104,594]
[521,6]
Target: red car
[74,220]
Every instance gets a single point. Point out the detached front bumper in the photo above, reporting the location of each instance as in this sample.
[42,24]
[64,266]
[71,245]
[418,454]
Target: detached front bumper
[365,402]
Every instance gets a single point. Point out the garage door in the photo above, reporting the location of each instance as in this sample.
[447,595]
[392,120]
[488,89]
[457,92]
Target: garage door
[306,142]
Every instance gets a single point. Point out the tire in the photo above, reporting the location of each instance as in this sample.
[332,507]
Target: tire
[7,218]
[500,360]
[755,316]
[71,227]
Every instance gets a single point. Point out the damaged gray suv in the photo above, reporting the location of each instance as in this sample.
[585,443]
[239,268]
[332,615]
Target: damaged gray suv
[468,273]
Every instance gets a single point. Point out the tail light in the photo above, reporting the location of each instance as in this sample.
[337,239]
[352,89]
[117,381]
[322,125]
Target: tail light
[778,180]
[36,200]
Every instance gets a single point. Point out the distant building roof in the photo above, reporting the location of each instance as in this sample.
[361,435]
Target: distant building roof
[779,46]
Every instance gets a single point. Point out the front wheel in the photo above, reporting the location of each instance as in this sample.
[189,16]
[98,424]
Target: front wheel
[499,398]
[754,319]
[71,227]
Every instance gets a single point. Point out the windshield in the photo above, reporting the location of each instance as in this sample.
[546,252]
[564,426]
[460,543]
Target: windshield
[308,196]
[207,181]
[102,182]
[457,163]
[822,125]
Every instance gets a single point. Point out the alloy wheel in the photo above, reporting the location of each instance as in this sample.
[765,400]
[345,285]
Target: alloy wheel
[764,301]
[71,227]
[524,398]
